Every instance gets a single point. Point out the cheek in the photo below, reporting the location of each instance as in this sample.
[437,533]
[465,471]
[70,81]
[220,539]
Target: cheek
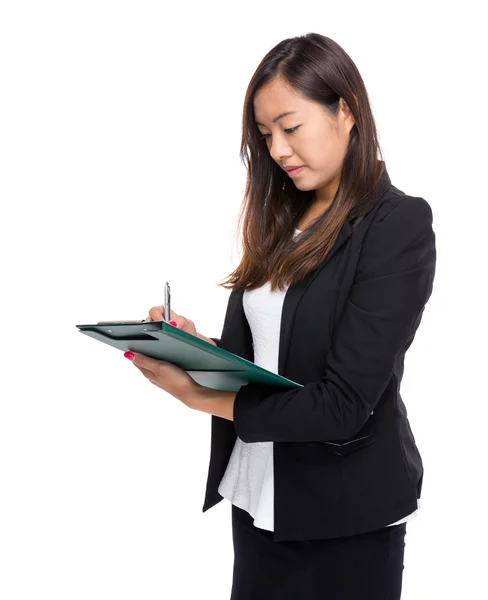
[315,150]
[328,155]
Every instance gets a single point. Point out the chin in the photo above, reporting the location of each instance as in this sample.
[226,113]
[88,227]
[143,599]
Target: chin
[304,186]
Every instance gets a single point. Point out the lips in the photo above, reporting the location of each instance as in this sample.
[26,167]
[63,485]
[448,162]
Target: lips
[293,168]
[292,172]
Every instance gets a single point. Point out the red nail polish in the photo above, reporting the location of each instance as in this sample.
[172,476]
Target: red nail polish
[129,355]
[173,323]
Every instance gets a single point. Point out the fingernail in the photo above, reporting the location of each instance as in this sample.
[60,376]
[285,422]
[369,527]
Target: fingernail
[173,323]
[129,355]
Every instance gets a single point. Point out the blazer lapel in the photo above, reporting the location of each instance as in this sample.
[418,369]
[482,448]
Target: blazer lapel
[237,336]
[296,291]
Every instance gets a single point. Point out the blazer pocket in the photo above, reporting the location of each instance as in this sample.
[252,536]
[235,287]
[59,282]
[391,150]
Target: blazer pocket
[343,448]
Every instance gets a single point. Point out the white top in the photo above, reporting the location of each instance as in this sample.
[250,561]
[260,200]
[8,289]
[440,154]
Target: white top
[248,480]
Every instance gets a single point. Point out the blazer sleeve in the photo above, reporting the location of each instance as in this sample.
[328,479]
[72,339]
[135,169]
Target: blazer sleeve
[393,281]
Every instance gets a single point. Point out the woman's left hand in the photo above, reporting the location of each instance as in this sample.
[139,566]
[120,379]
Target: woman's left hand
[168,377]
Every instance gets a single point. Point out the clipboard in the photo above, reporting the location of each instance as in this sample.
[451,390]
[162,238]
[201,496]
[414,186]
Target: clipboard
[207,364]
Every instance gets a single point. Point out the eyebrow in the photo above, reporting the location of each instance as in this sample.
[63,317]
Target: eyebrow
[285,114]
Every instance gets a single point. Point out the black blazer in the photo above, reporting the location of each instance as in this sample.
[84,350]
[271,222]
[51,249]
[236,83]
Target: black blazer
[345,458]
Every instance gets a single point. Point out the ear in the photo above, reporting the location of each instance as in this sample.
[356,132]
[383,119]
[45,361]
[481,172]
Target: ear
[346,113]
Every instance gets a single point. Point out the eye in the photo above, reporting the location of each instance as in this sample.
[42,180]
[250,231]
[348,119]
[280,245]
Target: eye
[289,131]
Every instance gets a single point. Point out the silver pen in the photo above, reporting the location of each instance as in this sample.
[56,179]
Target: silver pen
[167,302]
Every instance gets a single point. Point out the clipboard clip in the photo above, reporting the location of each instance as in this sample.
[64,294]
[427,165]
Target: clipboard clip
[120,322]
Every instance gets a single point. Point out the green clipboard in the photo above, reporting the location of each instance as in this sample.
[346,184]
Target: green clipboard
[207,364]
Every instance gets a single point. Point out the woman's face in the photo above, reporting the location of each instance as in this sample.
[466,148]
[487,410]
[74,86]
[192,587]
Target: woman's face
[301,133]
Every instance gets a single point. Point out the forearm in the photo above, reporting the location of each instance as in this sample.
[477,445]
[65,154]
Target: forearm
[214,402]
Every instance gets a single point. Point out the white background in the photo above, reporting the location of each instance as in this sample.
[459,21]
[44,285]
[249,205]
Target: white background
[120,131]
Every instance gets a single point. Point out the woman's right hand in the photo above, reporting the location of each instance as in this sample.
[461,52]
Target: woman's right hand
[156,313]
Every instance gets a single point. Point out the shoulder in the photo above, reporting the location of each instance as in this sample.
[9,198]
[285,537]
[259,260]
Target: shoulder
[400,230]
[395,206]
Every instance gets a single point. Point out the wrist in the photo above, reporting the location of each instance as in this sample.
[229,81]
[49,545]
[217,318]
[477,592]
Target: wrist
[219,403]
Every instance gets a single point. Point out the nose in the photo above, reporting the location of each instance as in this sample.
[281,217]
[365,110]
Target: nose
[280,148]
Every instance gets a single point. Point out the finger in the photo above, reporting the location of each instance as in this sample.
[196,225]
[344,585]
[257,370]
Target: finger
[146,362]
[156,314]
[148,374]
[172,313]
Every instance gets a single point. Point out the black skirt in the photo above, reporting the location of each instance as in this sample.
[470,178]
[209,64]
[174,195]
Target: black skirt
[368,566]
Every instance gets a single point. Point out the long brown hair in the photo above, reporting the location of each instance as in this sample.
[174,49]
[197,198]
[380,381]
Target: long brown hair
[272,206]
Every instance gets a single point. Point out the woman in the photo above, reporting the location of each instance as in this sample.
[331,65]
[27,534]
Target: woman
[337,268]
